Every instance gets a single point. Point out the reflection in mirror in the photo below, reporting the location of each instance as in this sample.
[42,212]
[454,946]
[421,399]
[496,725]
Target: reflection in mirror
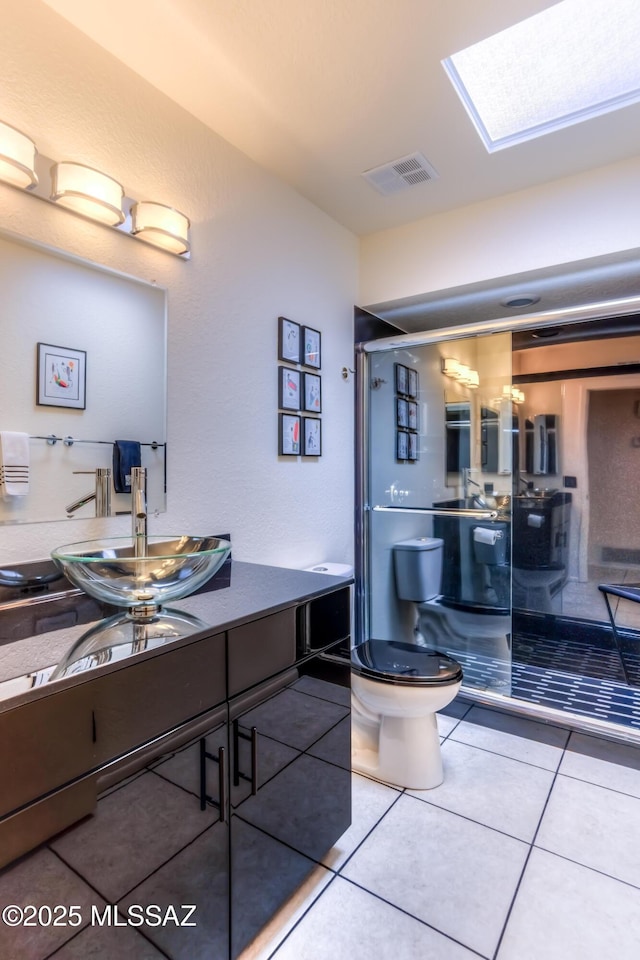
[576,517]
[112,325]
[458,438]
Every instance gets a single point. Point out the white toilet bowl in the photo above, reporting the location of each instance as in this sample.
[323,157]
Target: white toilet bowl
[396,690]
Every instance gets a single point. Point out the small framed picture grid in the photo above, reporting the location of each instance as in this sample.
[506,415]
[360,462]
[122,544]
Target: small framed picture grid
[299,390]
[407,386]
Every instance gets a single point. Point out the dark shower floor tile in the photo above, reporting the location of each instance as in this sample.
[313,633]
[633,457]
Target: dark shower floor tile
[574,667]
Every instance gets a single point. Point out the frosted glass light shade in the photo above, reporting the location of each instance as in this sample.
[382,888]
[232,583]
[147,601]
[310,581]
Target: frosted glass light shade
[87,191]
[160,225]
[17,158]
[450,367]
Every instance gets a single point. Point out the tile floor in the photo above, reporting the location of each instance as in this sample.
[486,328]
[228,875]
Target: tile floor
[530,850]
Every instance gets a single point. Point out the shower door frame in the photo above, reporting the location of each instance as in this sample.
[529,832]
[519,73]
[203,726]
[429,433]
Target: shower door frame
[598,310]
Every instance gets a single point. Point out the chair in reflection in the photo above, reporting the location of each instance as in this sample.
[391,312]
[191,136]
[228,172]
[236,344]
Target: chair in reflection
[627,642]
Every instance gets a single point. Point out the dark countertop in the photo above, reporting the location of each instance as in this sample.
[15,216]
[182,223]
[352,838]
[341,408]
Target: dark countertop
[253,591]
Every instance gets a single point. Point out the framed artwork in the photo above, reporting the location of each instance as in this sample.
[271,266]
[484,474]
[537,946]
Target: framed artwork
[402,445]
[412,385]
[289,340]
[402,379]
[288,435]
[311,347]
[312,393]
[412,446]
[412,415]
[402,413]
[62,377]
[312,437]
[288,388]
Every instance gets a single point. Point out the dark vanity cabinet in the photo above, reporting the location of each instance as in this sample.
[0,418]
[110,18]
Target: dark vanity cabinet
[291,786]
[217,776]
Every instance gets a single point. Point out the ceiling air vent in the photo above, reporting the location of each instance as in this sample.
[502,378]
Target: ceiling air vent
[401,174]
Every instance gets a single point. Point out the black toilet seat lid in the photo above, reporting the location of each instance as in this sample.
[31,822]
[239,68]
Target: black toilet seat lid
[393,661]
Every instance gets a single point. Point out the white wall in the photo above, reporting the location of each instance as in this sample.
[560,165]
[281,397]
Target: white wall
[259,250]
[587,215]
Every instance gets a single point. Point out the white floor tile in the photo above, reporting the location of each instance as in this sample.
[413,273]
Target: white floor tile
[505,794]
[564,911]
[609,764]
[272,935]
[594,826]
[453,874]
[348,923]
[370,800]
[538,743]
[446,724]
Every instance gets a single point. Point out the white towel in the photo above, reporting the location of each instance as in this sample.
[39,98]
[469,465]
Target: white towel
[14,464]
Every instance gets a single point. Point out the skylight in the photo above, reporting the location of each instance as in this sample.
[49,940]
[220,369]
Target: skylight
[574,60]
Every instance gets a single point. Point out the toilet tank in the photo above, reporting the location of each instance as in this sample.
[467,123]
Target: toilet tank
[418,568]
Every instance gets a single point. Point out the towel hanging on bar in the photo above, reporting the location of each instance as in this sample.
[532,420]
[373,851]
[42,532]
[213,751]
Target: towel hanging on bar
[14,464]
[126,455]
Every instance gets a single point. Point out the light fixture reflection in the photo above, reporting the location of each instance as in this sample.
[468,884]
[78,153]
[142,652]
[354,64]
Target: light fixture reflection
[17,157]
[160,225]
[461,372]
[88,192]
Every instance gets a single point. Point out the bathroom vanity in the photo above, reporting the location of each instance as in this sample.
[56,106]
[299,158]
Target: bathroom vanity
[213,771]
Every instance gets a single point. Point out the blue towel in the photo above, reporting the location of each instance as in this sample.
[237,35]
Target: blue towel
[126,455]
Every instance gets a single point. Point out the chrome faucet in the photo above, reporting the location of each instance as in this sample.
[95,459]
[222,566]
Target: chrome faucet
[101,493]
[467,482]
[139,510]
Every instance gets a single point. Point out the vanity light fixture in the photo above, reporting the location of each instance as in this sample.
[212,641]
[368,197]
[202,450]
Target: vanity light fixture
[88,192]
[513,393]
[160,225]
[17,157]
[450,367]
[461,372]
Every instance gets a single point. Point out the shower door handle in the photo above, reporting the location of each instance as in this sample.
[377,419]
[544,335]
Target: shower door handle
[444,512]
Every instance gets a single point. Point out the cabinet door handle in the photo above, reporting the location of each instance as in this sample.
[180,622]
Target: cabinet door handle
[254,760]
[238,735]
[221,760]
[222,783]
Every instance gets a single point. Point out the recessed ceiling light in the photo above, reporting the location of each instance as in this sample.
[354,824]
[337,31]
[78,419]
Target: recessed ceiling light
[545,332]
[520,300]
[575,60]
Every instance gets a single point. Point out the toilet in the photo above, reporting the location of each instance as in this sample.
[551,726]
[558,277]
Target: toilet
[397,688]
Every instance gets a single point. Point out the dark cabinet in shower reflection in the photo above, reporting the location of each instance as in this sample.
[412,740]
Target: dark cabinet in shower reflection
[476,571]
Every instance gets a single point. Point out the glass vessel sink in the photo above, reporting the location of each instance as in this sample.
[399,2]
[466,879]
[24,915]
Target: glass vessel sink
[109,570]
[170,568]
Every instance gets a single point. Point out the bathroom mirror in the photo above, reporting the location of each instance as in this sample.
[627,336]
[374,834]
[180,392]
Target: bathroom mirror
[108,332]
[457,414]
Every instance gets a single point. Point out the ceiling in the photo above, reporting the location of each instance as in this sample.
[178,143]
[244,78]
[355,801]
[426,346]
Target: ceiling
[319,91]
[582,282]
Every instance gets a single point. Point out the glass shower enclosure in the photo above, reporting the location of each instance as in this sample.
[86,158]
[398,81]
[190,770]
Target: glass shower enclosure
[511,448]
[438,419]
